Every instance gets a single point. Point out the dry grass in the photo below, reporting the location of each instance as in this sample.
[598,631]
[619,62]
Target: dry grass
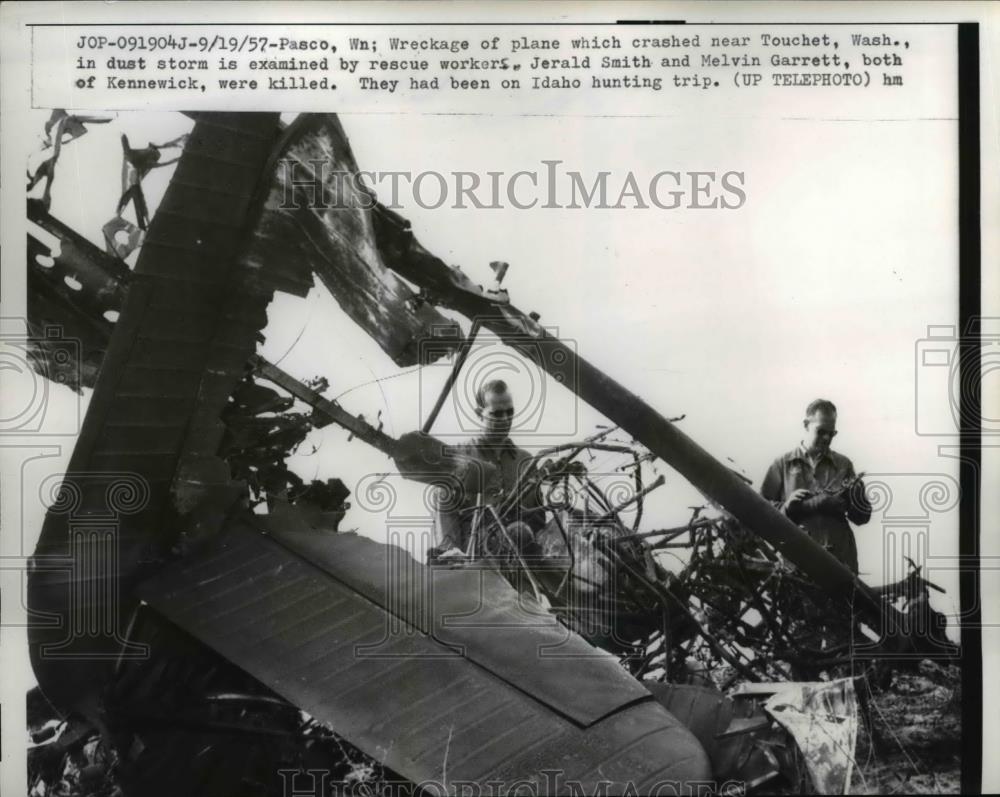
[918,722]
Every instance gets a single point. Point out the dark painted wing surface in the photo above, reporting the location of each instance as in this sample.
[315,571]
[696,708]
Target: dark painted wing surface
[405,696]
[152,430]
[477,612]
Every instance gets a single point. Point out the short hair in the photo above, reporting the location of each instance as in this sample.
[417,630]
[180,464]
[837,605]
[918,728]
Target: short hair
[820,405]
[492,386]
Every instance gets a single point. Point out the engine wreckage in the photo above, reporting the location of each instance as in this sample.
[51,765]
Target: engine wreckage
[222,649]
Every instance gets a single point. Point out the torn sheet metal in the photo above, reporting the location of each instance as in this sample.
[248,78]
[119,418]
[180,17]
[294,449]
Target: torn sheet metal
[318,217]
[60,129]
[74,292]
[822,716]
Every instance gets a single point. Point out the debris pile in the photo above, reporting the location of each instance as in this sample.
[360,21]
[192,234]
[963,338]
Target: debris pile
[729,661]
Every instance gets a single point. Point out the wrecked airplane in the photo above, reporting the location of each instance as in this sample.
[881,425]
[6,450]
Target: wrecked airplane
[238,641]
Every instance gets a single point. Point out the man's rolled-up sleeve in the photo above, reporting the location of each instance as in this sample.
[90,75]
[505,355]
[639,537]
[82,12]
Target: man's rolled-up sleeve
[773,486]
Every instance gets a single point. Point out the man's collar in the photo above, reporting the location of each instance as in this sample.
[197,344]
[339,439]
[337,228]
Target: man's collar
[486,445]
[802,452]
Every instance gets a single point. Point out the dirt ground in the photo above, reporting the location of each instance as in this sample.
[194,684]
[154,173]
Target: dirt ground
[918,719]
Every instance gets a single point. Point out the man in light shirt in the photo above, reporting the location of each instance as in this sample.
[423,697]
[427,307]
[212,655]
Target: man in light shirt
[493,466]
[817,487]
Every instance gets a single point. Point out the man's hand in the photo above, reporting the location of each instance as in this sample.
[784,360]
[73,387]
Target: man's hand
[826,503]
[793,504]
[452,557]
[421,457]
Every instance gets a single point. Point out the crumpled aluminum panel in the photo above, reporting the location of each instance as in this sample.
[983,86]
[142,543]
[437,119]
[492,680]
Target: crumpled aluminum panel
[400,694]
[822,716]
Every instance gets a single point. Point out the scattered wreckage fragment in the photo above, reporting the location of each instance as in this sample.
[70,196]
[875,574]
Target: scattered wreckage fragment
[277,612]
[186,331]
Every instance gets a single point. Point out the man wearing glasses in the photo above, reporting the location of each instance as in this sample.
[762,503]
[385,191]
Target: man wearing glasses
[491,469]
[817,488]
